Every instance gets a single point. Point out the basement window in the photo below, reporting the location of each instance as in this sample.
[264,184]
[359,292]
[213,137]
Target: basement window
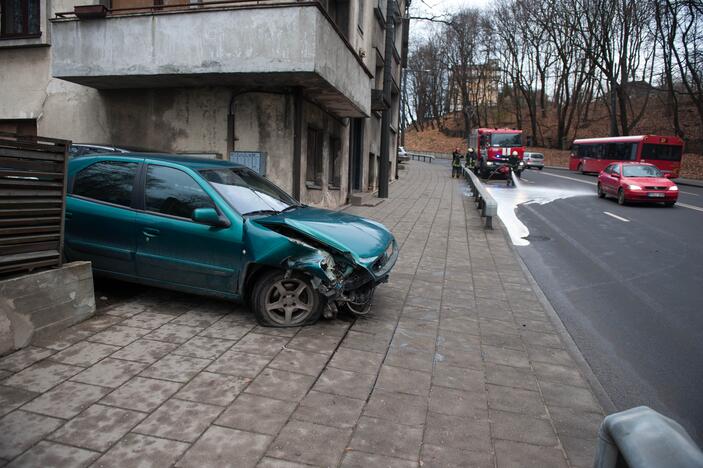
[19,18]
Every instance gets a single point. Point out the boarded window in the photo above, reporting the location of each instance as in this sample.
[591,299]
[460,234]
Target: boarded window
[335,162]
[19,18]
[314,171]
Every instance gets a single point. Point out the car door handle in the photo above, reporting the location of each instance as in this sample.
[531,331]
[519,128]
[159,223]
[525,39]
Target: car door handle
[150,232]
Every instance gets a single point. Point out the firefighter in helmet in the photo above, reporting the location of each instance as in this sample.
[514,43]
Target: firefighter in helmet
[456,163]
[470,158]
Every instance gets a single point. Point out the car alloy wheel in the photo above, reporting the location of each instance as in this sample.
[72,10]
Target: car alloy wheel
[282,301]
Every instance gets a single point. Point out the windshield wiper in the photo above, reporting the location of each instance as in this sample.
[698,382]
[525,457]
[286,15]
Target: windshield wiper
[292,207]
[257,212]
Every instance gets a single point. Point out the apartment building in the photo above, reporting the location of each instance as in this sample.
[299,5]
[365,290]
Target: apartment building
[293,83]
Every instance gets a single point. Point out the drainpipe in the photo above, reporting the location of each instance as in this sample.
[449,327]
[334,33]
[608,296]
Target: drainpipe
[386,115]
[297,140]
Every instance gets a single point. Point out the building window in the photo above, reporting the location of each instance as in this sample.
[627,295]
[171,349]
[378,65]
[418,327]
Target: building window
[19,18]
[22,127]
[335,162]
[314,171]
[360,17]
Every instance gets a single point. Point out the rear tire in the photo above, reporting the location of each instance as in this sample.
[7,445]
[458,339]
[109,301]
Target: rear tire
[601,193]
[540,168]
[669,204]
[621,197]
[278,301]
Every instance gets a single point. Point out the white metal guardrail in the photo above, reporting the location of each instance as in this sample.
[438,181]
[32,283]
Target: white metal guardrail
[425,157]
[485,202]
[643,438]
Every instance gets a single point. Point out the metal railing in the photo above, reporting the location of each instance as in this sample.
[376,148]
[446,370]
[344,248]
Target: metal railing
[421,156]
[484,201]
[643,438]
[32,197]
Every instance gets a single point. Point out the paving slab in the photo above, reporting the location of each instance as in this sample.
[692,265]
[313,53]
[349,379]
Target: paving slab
[457,365]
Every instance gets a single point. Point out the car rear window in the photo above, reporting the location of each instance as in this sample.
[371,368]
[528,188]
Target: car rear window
[107,181]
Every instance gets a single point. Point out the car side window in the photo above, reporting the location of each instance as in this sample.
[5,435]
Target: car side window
[172,192]
[107,181]
[608,169]
[615,169]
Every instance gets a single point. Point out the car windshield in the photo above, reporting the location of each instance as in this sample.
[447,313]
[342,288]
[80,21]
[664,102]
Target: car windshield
[506,139]
[248,192]
[640,171]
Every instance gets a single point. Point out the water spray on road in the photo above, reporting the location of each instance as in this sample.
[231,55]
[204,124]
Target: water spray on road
[508,199]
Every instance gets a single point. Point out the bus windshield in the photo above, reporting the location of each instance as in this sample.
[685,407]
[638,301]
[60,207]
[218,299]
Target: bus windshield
[506,139]
[661,152]
[640,171]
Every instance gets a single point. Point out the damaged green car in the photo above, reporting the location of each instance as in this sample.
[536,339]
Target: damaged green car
[218,228]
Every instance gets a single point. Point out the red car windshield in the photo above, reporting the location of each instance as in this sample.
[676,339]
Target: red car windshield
[640,171]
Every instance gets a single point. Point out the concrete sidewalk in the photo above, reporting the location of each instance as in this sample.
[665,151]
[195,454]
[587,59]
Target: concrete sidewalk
[458,365]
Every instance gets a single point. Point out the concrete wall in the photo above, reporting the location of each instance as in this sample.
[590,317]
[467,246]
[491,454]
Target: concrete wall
[219,45]
[38,304]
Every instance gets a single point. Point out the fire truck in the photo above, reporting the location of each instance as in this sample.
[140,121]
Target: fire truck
[493,147]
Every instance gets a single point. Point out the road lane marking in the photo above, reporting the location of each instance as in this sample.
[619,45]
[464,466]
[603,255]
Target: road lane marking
[690,207]
[616,216]
[689,193]
[571,178]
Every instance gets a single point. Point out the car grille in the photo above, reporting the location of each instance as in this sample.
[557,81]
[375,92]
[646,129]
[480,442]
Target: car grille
[655,188]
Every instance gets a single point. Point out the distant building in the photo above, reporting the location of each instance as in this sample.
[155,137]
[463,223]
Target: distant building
[482,83]
[292,81]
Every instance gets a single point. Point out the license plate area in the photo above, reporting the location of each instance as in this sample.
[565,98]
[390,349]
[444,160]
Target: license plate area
[655,195]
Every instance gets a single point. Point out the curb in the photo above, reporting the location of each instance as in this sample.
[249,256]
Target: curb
[601,395]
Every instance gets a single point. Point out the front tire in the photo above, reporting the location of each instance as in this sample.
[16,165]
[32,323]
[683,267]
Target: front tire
[601,193]
[540,168]
[621,197]
[669,204]
[285,302]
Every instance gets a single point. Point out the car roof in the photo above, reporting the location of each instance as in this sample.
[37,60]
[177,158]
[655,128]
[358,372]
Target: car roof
[187,161]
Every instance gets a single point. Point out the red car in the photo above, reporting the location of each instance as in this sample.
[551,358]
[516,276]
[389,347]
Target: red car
[636,182]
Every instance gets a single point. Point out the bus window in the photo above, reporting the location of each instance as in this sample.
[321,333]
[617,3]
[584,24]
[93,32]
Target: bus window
[661,152]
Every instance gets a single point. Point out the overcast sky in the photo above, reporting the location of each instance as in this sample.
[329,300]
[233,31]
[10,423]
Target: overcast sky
[431,8]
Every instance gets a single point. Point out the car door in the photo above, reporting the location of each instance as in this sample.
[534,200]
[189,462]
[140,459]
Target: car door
[171,247]
[614,179]
[99,216]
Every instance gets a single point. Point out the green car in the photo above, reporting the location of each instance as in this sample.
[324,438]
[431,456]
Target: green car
[218,228]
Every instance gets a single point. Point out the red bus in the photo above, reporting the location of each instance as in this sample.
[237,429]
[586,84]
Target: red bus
[493,147]
[594,154]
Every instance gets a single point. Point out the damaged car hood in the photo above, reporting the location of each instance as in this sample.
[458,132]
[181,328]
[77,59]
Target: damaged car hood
[364,239]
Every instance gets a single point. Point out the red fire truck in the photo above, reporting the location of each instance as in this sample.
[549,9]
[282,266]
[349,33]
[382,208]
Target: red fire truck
[493,147]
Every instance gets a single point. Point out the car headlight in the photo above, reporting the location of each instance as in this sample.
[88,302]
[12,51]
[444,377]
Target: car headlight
[634,187]
[673,188]
[489,163]
[389,250]
[522,163]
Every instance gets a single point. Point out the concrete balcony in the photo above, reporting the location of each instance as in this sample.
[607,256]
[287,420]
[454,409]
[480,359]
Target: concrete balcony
[262,47]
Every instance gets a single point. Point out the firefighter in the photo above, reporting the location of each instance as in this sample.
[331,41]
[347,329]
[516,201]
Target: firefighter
[514,163]
[456,163]
[470,158]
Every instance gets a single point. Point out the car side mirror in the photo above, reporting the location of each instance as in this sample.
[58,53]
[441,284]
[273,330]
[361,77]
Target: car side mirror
[667,175]
[617,176]
[208,216]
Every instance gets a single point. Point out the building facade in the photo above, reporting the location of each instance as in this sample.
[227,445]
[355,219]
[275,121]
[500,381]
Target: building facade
[288,81]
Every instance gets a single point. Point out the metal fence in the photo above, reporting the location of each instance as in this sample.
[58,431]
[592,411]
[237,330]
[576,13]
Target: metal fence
[32,197]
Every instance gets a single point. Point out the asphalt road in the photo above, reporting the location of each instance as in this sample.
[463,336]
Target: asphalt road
[627,282]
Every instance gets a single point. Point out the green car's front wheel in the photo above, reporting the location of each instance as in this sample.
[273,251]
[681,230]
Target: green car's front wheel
[285,302]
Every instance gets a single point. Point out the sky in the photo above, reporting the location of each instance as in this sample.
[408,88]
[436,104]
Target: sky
[429,8]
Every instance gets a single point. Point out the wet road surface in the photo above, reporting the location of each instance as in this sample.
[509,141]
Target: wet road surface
[627,282]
